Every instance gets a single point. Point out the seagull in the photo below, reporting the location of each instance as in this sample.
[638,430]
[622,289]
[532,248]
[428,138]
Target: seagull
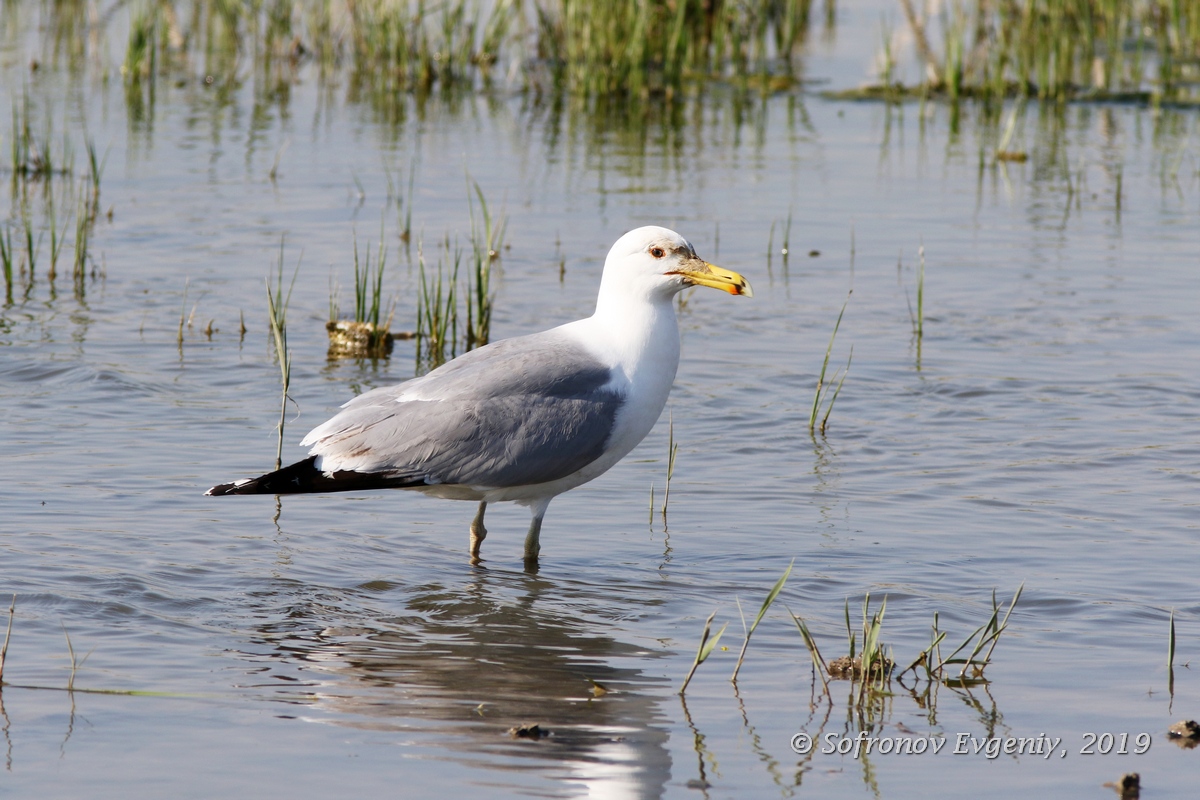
[523,419]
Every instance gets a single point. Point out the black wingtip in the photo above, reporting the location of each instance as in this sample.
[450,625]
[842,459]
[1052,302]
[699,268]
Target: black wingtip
[298,477]
[304,477]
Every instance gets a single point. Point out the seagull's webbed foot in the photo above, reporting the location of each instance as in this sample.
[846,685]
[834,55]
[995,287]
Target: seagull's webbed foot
[478,532]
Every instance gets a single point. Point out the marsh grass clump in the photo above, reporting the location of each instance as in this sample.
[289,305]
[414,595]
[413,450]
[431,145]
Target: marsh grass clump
[869,664]
[873,669]
[141,50]
[625,50]
[971,657]
[487,238]
[413,47]
[33,156]
[1054,50]
[43,184]
[22,255]
[140,67]
[637,49]
[439,293]
[437,308]
[368,334]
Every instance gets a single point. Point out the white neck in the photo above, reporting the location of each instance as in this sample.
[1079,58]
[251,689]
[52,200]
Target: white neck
[642,339]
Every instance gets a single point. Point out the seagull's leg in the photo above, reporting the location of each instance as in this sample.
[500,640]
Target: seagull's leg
[532,539]
[532,544]
[478,532]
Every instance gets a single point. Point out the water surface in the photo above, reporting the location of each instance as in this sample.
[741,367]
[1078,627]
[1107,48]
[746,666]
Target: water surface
[1043,432]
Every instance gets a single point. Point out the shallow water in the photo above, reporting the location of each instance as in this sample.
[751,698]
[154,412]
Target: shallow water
[1044,432]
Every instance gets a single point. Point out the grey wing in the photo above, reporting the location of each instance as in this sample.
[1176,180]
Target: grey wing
[519,412]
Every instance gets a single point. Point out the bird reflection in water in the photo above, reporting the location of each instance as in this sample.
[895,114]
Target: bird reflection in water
[466,665]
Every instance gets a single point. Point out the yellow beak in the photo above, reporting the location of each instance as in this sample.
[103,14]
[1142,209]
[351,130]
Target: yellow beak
[701,273]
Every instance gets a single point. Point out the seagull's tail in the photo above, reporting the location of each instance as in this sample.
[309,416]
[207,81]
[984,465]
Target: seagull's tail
[304,477]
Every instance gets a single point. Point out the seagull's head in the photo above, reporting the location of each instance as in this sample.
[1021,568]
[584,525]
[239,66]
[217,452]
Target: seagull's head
[657,263]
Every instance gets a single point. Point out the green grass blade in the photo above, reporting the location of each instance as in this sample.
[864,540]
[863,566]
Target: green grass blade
[12,608]
[1171,641]
[707,644]
[813,651]
[849,631]
[836,392]
[1003,624]
[762,611]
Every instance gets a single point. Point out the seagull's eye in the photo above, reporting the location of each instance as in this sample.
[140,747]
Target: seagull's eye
[657,252]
